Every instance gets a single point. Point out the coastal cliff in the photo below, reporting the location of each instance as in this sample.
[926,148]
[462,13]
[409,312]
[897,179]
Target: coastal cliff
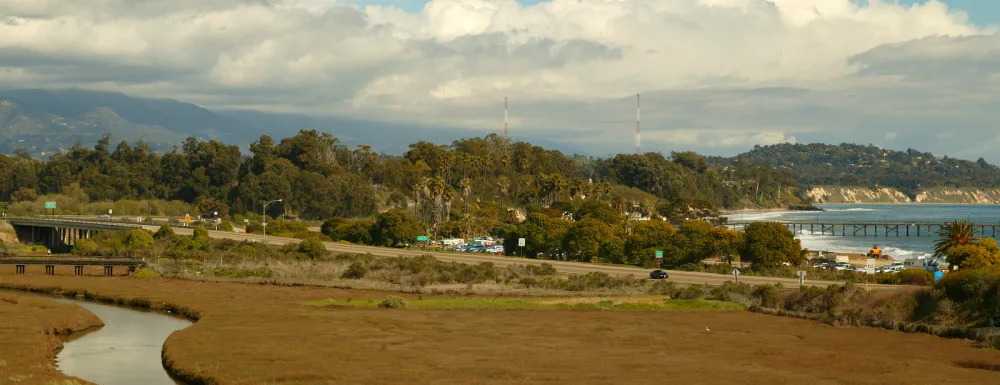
[866,195]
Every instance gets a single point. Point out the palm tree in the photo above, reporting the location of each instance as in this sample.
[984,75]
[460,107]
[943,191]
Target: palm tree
[448,195]
[503,184]
[437,189]
[417,189]
[425,185]
[466,185]
[954,234]
[620,204]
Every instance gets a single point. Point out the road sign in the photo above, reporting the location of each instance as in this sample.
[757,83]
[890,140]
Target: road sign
[736,274]
[422,238]
[187,218]
[659,254]
[870,266]
[520,242]
[802,276]
[50,205]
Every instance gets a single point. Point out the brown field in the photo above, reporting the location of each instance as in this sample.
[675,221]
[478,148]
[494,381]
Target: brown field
[29,337]
[255,334]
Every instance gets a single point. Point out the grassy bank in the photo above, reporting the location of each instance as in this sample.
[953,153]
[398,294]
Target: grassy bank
[30,332]
[266,334]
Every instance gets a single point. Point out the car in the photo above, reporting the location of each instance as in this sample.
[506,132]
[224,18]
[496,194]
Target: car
[658,274]
[104,216]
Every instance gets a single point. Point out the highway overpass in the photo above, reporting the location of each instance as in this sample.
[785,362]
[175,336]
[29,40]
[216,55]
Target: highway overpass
[60,234]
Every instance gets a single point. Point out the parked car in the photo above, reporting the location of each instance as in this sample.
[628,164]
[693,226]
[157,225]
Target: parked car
[658,274]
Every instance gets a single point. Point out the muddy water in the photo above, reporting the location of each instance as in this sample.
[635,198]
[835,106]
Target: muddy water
[126,351]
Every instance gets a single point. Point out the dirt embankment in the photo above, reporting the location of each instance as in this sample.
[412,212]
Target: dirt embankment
[251,334]
[30,331]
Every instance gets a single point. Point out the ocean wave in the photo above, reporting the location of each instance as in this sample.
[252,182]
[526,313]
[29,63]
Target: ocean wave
[827,243]
[755,216]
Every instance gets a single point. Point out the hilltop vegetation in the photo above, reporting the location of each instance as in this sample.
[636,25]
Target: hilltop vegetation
[317,178]
[867,165]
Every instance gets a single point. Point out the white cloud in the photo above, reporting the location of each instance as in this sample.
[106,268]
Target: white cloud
[778,69]
[890,136]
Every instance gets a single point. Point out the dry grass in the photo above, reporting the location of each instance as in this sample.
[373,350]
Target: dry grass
[29,338]
[256,334]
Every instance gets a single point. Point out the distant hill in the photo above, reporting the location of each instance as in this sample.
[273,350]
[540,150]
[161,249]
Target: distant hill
[867,165]
[48,121]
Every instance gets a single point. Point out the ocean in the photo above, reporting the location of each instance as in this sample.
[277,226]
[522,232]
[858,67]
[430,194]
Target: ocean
[899,247]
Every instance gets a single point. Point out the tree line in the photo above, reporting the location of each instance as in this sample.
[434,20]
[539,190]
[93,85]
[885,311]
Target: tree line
[317,178]
[867,165]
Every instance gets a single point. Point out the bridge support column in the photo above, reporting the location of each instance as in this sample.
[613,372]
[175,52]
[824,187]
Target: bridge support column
[50,269]
[78,270]
[18,269]
[109,270]
[131,269]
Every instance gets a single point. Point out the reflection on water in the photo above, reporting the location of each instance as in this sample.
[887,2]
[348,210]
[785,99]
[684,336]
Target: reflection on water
[126,351]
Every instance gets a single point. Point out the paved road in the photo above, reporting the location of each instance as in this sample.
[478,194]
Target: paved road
[686,277]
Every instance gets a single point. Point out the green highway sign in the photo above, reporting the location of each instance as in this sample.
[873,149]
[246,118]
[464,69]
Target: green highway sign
[50,205]
[422,238]
[659,254]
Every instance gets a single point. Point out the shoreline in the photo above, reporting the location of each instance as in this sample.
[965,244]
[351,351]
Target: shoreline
[822,205]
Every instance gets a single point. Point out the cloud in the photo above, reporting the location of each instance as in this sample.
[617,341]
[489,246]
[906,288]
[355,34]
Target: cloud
[728,73]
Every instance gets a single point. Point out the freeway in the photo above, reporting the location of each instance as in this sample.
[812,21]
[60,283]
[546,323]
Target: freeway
[682,277]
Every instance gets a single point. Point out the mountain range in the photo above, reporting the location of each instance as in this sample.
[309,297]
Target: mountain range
[43,122]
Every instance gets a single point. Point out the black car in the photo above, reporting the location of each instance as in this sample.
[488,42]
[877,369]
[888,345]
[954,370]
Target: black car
[658,274]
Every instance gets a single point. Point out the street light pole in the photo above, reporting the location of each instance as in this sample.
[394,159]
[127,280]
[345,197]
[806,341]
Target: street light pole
[263,214]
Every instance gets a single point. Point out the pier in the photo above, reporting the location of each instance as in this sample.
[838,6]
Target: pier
[877,229]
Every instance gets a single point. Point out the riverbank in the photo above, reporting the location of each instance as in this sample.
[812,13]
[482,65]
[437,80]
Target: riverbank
[31,332]
[249,333]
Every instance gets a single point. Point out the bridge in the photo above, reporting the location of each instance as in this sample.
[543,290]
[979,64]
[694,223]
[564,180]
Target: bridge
[60,234]
[50,263]
[864,229]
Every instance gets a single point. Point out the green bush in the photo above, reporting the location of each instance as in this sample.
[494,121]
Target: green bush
[768,296]
[312,248]
[146,273]
[164,232]
[356,270]
[393,302]
[543,269]
[691,292]
[85,247]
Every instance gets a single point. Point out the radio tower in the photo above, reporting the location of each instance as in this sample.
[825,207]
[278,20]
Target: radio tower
[637,141]
[505,117]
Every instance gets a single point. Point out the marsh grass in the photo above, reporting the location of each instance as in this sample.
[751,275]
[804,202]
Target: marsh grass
[592,303]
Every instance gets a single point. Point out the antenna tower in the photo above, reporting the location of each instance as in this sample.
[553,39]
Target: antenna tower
[505,117]
[637,140]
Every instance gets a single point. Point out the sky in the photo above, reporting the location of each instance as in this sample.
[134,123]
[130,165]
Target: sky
[715,76]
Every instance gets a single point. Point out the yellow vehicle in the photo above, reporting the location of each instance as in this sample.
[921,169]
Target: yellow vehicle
[875,252]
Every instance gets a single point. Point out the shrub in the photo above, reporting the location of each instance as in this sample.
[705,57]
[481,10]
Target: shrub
[918,277]
[85,247]
[393,302]
[766,295]
[313,248]
[356,270]
[691,292]
[139,239]
[164,232]
[543,269]
[146,273]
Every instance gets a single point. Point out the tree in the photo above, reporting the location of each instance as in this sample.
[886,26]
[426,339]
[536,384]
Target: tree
[957,233]
[164,232]
[646,238]
[139,239]
[769,244]
[395,227]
